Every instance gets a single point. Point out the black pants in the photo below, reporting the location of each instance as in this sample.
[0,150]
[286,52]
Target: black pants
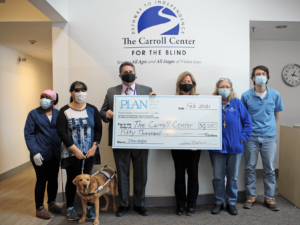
[48,171]
[186,160]
[73,171]
[139,162]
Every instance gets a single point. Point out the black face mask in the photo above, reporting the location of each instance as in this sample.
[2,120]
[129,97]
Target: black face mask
[186,87]
[128,77]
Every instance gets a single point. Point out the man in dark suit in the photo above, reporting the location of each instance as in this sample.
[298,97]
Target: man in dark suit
[122,156]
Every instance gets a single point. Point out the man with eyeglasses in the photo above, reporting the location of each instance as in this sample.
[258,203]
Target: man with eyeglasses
[264,106]
[122,156]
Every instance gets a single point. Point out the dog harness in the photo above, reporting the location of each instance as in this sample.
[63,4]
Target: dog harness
[102,186]
[107,175]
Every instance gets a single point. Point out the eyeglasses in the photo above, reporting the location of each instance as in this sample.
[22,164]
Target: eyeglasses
[80,89]
[224,87]
[261,74]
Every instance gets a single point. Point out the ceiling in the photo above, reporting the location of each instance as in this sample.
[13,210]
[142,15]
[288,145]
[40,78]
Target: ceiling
[20,10]
[16,35]
[267,31]
[20,21]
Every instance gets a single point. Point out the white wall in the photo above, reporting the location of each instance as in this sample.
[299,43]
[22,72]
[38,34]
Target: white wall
[276,55]
[20,87]
[274,10]
[94,45]
[91,40]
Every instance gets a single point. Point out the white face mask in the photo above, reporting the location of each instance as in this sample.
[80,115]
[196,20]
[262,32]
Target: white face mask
[80,97]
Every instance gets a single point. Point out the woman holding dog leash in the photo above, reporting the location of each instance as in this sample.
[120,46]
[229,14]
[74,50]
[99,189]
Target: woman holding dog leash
[44,143]
[80,129]
[236,130]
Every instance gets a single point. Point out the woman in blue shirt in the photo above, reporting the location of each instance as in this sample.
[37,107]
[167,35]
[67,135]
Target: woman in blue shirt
[43,143]
[236,130]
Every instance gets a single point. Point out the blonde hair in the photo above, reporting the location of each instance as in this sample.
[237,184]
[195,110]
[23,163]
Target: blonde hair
[232,92]
[180,79]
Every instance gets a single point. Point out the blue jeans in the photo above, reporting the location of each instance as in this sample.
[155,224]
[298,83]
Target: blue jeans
[267,148]
[225,165]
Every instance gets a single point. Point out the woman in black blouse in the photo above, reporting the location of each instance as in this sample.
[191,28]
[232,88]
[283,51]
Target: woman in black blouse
[80,128]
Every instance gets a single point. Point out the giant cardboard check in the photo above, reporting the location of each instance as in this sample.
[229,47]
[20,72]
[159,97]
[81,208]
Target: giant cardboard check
[167,122]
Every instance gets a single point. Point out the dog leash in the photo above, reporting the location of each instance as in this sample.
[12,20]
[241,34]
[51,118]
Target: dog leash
[82,168]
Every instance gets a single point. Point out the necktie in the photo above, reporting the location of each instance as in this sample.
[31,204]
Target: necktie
[127,91]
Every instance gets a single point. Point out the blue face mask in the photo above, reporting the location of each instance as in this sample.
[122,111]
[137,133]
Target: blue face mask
[45,103]
[224,92]
[260,80]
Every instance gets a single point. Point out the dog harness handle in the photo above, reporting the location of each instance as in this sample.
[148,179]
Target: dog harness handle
[101,187]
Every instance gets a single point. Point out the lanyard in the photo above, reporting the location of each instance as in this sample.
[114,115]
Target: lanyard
[224,109]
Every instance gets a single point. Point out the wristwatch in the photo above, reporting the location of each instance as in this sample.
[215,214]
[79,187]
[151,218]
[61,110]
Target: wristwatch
[96,143]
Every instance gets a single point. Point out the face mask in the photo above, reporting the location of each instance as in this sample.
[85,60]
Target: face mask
[186,87]
[80,97]
[45,103]
[128,77]
[224,92]
[260,80]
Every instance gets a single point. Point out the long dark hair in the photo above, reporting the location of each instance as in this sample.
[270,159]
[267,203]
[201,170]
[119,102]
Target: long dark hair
[73,85]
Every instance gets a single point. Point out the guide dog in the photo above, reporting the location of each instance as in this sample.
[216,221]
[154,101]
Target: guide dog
[86,187]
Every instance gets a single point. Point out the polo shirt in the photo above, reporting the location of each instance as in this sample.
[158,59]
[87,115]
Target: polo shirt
[262,111]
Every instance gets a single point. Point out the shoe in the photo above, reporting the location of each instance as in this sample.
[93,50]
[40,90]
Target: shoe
[52,207]
[122,211]
[190,211]
[231,210]
[43,213]
[141,210]
[89,213]
[72,214]
[217,208]
[249,203]
[179,211]
[271,204]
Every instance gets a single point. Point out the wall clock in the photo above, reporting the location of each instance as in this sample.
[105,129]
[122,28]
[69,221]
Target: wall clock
[291,75]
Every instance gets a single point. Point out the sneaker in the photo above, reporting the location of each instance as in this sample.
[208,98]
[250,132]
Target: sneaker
[43,213]
[89,213]
[72,214]
[249,203]
[52,207]
[271,204]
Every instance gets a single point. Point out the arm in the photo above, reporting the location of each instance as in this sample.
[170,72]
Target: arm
[62,128]
[244,101]
[246,123]
[97,132]
[98,126]
[278,108]
[277,116]
[104,110]
[29,133]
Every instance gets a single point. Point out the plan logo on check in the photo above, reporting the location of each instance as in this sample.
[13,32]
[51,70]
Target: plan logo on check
[128,104]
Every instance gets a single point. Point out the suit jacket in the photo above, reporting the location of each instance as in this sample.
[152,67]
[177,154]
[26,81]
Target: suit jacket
[109,104]
[41,134]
